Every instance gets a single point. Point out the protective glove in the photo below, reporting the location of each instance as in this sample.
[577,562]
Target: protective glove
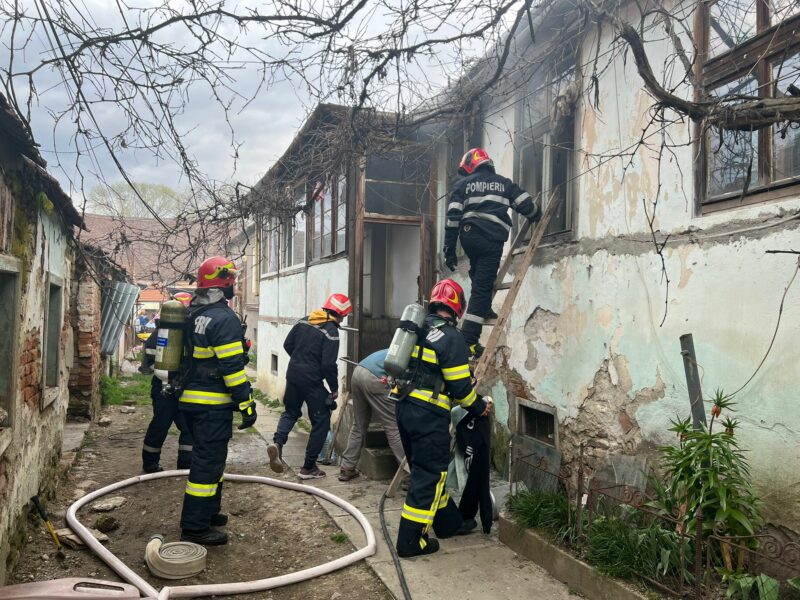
[451,261]
[248,411]
[330,401]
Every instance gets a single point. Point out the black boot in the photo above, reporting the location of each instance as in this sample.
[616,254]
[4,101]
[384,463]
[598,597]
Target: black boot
[490,315]
[467,527]
[206,537]
[156,468]
[431,546]
[219,520]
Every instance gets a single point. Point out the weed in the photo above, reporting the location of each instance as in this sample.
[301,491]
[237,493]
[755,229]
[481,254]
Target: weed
[110,392]
[339,537]
[261,397]
[304,424]
[549,511]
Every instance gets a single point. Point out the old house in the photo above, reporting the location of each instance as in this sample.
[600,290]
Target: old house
[242,249]
[665,225]
[338,215]
[36,262]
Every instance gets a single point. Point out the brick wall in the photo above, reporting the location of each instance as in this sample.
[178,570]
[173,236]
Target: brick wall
[84,381]
[30,367]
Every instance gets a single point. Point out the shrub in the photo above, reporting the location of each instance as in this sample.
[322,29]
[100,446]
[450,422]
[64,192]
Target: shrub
[549,511]
[110,392]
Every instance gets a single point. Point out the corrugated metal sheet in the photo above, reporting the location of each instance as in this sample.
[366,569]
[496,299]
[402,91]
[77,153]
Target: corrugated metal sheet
[117,312]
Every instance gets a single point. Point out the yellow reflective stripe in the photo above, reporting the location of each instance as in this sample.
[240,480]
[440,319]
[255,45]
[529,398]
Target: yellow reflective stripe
[469,400]
[456,373]
[227,350]
[442,401]
[200,352]
[201,490]
[198,397]
[235,378]
[428,355]
[436,498]
[444,500]
[417,515]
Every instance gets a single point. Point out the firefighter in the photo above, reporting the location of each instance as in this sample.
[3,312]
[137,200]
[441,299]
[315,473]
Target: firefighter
[438,375]
[478,214]
[165,410]
[313,348]
[214,385]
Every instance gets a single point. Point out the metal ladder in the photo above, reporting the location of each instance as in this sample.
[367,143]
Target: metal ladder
[513,286]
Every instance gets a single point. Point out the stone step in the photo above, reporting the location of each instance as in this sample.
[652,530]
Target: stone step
[377,463]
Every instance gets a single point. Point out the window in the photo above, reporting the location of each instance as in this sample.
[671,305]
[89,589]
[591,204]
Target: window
[322,221]
[396,182]
[547,145]
[751,51]
[264,251]
[273,367]
[537,422]
[8,322]
[273,245]
[51,339]
[341,214]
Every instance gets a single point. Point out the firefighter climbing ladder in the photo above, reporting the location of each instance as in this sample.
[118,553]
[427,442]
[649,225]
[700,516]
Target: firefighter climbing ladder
[513,287]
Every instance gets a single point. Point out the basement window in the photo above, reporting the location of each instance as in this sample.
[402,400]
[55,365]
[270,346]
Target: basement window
[8,320]
[274,364]
[536,423]
[52,339]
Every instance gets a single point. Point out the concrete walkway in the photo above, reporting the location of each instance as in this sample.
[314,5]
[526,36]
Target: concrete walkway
[474,566]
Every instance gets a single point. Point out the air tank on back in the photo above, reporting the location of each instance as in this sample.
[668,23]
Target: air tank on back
[169,345]
[404,340]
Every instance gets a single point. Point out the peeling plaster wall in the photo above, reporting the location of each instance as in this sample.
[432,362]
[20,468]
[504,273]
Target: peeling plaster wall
[585,336]
[29,449]
[285,299]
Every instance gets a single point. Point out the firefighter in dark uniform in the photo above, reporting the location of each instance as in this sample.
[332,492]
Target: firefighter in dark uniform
[313,348]
[478,214]
[165,411]
[214,386]
[438,377]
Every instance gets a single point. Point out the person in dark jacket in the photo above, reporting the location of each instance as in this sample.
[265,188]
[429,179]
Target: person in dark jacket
[165,411]
[438,376]
[313,348]
[478,214]
[214,386]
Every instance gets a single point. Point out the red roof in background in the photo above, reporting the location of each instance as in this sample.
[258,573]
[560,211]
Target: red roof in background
[153,295]
[146,250]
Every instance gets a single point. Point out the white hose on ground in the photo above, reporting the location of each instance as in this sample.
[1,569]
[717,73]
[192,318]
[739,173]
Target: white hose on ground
[174,560]
[220,589]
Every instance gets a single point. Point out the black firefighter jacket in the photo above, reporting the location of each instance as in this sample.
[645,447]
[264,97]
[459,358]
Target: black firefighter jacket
[313,348]
[482,200]
[439,363]
[216,378]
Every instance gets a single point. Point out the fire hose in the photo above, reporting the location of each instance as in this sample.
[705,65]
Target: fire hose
[219,589]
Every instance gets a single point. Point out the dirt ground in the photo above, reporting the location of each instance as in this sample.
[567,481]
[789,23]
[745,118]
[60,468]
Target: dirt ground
[272,531]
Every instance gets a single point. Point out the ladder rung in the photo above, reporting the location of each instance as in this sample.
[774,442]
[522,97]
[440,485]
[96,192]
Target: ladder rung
[519,250]
[490,322]
[503,286]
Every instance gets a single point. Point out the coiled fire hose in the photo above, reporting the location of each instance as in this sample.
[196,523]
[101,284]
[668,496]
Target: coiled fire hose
[175,560]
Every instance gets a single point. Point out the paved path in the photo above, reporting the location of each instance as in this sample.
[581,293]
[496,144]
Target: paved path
[474,566]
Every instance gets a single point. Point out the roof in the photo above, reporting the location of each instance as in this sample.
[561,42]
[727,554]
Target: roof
[16,134]
[148,252]
[153,295]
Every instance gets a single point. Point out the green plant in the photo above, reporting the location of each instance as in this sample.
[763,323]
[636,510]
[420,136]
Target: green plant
[253,358]
[741,586]
[261,397]
[339,538]
[549,511]
[110,392]
[613,547]
[707,473]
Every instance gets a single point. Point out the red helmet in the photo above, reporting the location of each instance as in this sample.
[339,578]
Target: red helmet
[338,303]
[448,293]
[474,158]
[184,297]
[216,271]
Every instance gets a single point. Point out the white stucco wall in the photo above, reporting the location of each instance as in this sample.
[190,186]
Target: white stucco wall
[585,335]
[285,299]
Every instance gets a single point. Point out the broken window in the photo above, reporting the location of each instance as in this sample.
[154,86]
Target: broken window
[396,182]
[547,135]
[752,51]
[538,422]
[8,322]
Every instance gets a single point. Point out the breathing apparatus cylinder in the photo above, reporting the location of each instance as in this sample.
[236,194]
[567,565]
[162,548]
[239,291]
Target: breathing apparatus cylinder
[169,344]
[404,340]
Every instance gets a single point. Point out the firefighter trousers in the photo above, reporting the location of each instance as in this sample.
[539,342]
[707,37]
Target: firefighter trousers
[425,433]
[211,430]
[165,413]
[484,262]
[319,413]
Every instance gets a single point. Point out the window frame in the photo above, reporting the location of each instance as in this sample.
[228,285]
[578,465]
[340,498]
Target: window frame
[753,56]
[529,134]
[50,391]
[11,267]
